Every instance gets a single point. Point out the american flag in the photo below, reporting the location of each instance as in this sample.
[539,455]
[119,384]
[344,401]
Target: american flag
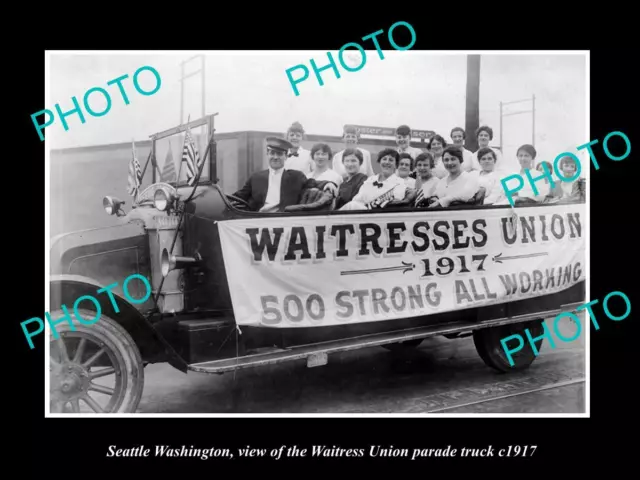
[135,172]
[191,157]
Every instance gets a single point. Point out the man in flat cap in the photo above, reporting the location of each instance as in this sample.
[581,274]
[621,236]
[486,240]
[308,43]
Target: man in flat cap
[351,136]
[403,140]
[276,188]
[298,157]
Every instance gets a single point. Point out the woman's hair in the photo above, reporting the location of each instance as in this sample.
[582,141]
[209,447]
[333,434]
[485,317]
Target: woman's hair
[529,149]
[389,151]
[548,164]
[483,151]
[485,128]
[439,138]
[406,155]
[427,156]
[455,151]
[458,129]
[568,159]
[321,147]
[295,127]
[353,151]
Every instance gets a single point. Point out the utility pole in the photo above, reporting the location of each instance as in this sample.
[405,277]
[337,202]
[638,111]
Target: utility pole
[533,117]
[472,117]
[183,77]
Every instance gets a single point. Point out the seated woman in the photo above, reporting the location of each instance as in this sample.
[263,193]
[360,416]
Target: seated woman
[378,190]
[568,168]
[352,160]
[321,154]
[526,155]
[437,145]
[458,185]
[488,178]
[556,191]
[426,182]
[405,167]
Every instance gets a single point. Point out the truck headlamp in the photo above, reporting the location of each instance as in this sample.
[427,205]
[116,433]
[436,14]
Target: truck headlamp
[112,205]
[163,199]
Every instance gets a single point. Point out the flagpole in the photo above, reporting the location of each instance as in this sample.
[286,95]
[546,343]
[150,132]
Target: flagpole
[182,157]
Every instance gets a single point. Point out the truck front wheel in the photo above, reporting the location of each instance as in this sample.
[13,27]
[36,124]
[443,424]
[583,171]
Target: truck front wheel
[94,368]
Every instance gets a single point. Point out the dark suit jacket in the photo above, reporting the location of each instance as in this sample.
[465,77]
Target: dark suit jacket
[293,184]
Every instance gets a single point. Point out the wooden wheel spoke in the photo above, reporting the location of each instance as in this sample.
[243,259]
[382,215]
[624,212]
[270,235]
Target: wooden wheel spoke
[62,348]
[88,363]
[102,372]
[92,403]
[77,358]
[75,406]
[102,389]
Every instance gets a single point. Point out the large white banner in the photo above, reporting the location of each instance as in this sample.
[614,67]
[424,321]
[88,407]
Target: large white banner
[344,268]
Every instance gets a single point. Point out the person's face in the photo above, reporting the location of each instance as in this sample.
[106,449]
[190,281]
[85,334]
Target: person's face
[436,147]
[451,163]
[276,158]
[525,159]
[568,169]
[487,162]
[295,138]
[458,138]
[483,139]
[404,167]
[388,165]
[403,140]
[351,164]
[350,139]
[423,168]
[321,158]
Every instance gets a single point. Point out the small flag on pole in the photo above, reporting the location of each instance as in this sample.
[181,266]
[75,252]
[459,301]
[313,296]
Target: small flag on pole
[169,169]
[190,157]
[135,172]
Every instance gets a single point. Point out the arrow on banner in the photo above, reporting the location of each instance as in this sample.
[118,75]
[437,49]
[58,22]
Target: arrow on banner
[405,267]
[499,258]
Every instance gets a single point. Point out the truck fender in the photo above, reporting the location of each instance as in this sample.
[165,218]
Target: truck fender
[66,289]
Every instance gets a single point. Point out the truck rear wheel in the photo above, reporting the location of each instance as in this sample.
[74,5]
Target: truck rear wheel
[82,360]
[487,343]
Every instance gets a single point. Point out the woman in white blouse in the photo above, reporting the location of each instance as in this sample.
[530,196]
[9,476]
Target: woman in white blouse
[321,154]
[488,177]
[405,167]
[458,185]
[380,189]
[437,145]
[526,155]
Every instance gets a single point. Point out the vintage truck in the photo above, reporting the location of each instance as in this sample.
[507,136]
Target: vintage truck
[234,289]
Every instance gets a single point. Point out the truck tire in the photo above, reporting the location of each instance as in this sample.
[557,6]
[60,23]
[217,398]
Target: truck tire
[84,353]
[487,343]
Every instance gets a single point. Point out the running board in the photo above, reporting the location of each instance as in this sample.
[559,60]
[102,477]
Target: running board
[316,353]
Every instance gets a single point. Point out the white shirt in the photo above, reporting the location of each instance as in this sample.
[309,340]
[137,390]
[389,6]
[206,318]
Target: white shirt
[467,160]
[394,188]
[494,192]
[273,192]
[302,162]
[365,168]
[428,188]
[438,168]
[409,182]
[462,188]
[413,151]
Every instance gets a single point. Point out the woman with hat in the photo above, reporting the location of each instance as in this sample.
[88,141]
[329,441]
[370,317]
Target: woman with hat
[351,137]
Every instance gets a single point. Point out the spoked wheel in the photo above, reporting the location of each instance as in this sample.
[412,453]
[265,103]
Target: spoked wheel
[487,342]
[95,369]
[401,346]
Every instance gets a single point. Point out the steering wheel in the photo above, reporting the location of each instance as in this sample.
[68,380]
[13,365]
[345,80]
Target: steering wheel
[233,198]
